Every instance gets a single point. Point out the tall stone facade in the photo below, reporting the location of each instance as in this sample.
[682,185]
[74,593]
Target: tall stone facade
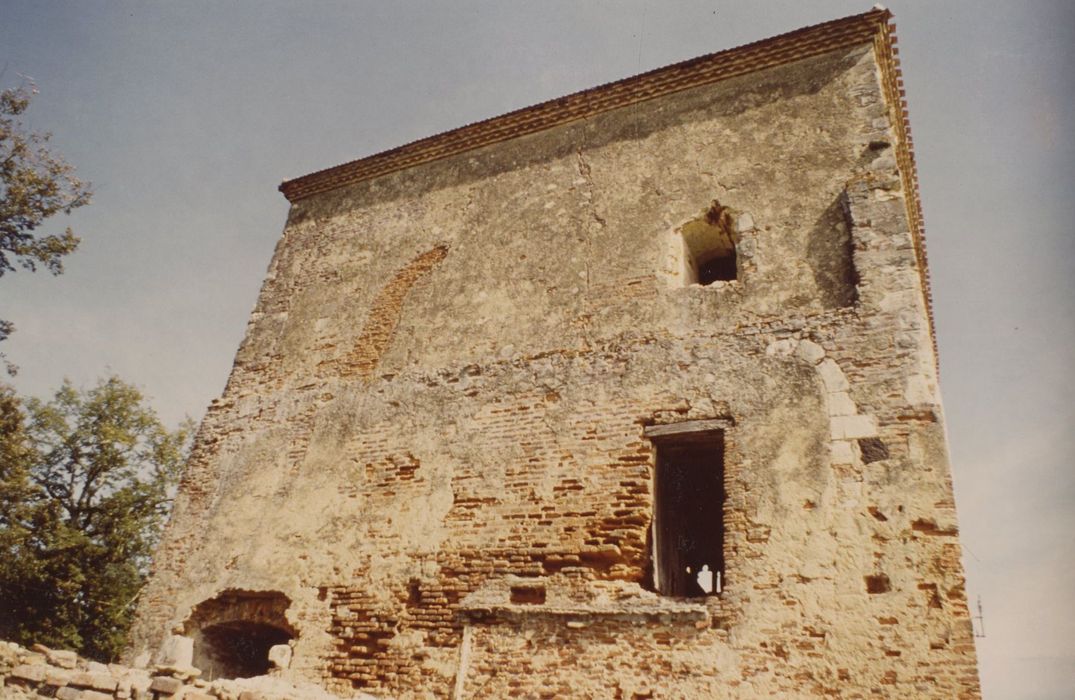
[629,394]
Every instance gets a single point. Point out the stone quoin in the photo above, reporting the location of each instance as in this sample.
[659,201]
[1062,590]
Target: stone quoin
[631,394]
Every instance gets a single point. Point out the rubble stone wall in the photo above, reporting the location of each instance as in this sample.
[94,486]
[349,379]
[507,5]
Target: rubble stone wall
[40,672]
[446,383]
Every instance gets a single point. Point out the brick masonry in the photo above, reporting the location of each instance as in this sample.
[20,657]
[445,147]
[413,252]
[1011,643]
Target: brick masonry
[443,395]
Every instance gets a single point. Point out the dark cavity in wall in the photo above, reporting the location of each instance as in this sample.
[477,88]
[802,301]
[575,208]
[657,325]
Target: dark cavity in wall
[878,584]
[234,631]
[239,649]
[873,450]
[531,594]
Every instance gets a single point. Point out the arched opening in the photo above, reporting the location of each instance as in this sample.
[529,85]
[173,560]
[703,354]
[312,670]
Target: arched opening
[234,632]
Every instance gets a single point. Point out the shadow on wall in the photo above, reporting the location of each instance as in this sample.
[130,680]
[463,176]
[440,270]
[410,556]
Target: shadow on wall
[829,256]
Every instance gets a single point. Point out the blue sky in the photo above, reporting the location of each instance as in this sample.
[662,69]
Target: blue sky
[186,116]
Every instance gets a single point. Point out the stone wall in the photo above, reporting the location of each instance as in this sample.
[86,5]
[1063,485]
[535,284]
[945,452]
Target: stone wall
[445,391]
[41,672]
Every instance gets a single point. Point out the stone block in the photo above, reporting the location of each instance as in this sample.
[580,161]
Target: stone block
[94,695]
[832,376]
[97,667]
[842,452]
[62,658]
[280,656]
[853,427]
[29,672]
[57,677]
[176,650]
[166,685]
[95,681]
[68,694]
[840,404]
[811,352]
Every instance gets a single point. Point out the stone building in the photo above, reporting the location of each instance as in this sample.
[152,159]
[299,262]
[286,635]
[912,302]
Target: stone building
[630,394]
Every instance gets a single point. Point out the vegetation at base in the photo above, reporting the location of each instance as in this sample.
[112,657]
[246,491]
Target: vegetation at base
[86,482]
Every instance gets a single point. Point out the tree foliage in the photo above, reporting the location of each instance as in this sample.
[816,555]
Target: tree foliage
[35,184]
[86,481]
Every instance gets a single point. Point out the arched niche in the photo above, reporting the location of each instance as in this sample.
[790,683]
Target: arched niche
[234,631]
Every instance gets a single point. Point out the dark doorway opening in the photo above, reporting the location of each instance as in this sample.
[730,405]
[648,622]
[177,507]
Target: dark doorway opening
[689,514]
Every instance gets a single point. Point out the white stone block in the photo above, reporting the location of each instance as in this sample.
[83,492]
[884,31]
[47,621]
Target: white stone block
[832,376]
[280,656]
[853,427]
[176,650]
[842,452]
[840,404]
[811,352]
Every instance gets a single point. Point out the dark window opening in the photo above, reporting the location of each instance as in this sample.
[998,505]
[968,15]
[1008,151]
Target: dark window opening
[689,514]
[719,268]
[238,649]
[709,247]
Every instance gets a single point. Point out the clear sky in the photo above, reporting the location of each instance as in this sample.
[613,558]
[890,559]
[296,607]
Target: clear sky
[187,115]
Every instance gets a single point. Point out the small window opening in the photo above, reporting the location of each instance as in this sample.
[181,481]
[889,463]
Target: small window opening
[709,253]
[689,514]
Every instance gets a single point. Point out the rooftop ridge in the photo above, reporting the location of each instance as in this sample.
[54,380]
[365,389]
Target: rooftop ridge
[694,72]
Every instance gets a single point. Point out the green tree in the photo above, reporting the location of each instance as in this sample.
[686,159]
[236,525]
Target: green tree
[35,184]
[86,481]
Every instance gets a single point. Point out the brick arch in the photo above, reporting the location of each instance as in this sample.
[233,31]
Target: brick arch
[234,631]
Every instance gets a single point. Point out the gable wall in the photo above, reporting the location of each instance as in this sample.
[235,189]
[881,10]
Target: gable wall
[447,377]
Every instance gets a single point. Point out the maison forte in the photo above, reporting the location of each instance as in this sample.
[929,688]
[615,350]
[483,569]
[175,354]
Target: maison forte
[630,394]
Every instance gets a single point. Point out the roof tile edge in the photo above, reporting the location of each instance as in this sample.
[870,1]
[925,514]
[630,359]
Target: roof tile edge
[710,68]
